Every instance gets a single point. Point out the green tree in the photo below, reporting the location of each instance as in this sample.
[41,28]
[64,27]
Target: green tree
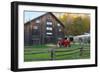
[75,25]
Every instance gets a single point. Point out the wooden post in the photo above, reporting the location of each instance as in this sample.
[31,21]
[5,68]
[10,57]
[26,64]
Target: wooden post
[52,54]
[81,51]
[81,46]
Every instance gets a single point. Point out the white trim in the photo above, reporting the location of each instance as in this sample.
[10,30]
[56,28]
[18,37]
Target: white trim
[49,33]
[38,21]
[49,23]
[49,28]
[35,27]
[58,24]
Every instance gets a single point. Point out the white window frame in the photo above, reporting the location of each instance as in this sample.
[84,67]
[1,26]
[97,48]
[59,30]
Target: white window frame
[49,33]
[49,28]
[49,23]
[38,21]
[58,24]
[60,30]
[35,27]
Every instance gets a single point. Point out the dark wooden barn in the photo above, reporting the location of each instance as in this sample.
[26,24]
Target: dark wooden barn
[43,29]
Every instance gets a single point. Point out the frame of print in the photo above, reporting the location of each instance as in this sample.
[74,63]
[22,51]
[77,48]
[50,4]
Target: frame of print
[52,36]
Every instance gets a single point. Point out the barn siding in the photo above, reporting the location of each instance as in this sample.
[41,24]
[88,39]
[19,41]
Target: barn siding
[40,36]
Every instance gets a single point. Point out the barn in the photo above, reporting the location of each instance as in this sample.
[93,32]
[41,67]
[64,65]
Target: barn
[43,29]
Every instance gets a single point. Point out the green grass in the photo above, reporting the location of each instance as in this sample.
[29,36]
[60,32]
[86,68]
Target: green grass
[31,57]
[42,52]
[37,47]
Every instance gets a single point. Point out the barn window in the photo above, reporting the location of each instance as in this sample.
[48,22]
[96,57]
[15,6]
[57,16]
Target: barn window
[49,33]
[58,24]
[49,17]
[49,23]
[35,27]
[37,21]
[59,30]
[48,28]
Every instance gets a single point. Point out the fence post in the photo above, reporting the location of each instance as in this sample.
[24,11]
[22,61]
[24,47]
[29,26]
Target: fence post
[52,54]
[81,44]
[81,51]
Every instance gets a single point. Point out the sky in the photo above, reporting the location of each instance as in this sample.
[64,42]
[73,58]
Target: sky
[29,15]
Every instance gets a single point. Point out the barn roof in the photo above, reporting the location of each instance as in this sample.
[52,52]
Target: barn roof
[44,15]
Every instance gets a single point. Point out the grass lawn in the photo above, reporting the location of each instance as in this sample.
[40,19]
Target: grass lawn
[43,52]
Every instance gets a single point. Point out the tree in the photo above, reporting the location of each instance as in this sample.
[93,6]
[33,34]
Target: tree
[75,24]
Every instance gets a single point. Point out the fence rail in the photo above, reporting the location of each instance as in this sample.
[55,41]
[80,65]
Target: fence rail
[53,53]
